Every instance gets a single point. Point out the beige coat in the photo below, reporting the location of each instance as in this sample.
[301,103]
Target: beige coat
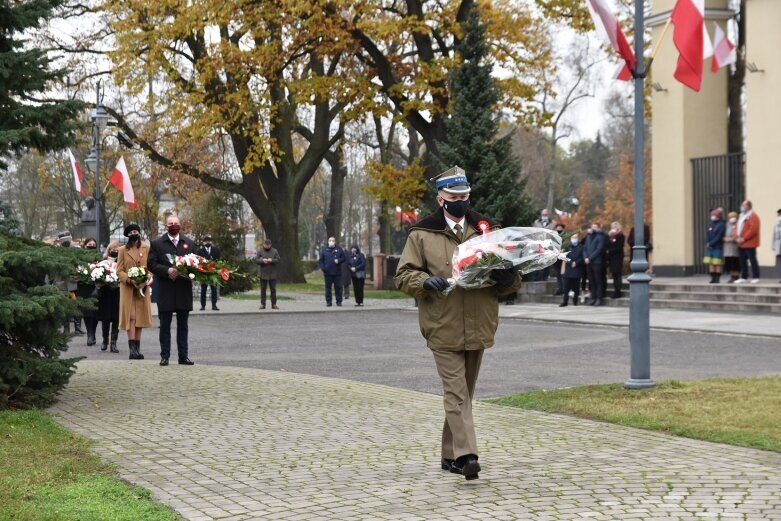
[464,319]
[128,293]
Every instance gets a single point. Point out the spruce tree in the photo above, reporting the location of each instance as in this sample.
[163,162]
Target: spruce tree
[25,78]
[32,312]
[472,127]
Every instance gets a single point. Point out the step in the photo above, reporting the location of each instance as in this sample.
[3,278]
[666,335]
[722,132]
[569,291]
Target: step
[774,289]
[763,297]
[690,305]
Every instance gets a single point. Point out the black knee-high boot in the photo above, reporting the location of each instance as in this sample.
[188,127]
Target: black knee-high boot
[114,335]
[105,325]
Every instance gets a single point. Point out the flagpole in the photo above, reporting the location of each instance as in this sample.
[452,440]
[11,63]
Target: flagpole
[639,296]
[659,41]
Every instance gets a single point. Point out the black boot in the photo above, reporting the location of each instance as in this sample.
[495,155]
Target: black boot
[564,303]
[139,356]
[114,335]
[131,347]
[104,326]
[717,278]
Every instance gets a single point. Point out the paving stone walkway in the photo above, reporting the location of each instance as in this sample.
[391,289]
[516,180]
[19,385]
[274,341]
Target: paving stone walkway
[244,444]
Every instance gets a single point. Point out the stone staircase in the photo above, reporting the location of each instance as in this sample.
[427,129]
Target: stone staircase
[689,293]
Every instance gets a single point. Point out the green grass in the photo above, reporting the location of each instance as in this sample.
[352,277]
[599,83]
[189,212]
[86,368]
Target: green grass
[49,474]
[738,411]
[314,285]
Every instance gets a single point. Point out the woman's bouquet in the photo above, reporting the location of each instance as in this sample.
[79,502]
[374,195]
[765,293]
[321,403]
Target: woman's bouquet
[99,273]
[201,270]
[139,275]
[525,249]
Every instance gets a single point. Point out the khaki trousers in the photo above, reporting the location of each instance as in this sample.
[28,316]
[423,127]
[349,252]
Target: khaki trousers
[458,371]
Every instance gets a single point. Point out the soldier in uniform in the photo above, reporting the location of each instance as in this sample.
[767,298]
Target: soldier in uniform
[458,326]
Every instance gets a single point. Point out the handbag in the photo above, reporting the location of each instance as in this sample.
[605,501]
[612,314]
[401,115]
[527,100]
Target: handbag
[360,274]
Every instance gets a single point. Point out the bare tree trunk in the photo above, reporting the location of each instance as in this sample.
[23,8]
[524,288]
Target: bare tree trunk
[552,172]
[333,220]
[384,220]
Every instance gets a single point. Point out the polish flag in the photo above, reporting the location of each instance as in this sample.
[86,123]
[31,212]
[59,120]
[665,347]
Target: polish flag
[78,175]
[609,29]
[121,180]
[690,37]
[723,50]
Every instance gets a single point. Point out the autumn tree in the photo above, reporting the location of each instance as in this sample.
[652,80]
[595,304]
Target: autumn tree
[29,119]
[410,50]
[262,79]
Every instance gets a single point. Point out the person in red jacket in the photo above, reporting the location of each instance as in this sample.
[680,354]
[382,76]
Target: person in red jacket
[748,242]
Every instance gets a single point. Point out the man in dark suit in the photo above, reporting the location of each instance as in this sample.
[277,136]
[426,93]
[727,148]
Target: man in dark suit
[594,257]
[209,251]
[175,290]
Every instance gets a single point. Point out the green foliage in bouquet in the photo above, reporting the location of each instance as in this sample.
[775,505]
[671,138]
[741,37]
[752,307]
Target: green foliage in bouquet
[244,278]
[32,312]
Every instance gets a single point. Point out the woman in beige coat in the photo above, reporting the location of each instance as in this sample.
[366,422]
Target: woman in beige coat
[135,311]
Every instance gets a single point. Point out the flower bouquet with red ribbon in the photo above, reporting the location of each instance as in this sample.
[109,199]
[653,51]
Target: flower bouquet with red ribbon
[202,270]
[525,249]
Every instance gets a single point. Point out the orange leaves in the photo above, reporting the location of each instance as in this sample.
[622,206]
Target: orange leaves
[398,186]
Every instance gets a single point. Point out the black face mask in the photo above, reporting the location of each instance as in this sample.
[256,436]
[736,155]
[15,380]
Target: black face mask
[114,254]
[92,247]
[133,239]
[456,208]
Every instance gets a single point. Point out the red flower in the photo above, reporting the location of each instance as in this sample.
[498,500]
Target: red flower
[511,247]
[539,249]
[225,273]
[483,226]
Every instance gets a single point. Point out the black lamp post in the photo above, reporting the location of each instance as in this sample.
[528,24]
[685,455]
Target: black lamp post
[99,118]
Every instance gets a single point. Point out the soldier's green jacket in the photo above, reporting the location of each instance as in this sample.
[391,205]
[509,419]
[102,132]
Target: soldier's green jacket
[463,319]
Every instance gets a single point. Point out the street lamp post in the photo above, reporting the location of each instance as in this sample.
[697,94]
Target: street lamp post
[639,305]
[99,118]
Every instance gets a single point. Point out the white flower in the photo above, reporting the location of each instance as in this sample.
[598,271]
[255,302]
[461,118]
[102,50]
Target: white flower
[192,275]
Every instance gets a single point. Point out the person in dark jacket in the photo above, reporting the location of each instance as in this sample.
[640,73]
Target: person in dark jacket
[211,252]
[347,277]
[267,259]
[331,260]
[175,291]
[557,265]
[573,271]
[85,290]
[593,254]
[714,245]
[615,257]
[356,262]
[108,305]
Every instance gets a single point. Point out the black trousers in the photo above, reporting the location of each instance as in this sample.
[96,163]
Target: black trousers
[616,269]
[574,286]
[358,289]
[166,317]
[336,282]
[746,256]
[203,295]
[595,280]
[272,284]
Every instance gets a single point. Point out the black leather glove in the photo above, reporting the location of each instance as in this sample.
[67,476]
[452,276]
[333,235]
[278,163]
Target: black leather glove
[504,277]
[435,284]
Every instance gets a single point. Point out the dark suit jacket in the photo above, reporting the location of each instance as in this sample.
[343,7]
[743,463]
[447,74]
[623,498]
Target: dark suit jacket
[214,255]
[177,294]
[594,247]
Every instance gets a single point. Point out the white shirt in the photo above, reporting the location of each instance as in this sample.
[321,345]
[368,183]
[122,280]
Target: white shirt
[452,224]
[742,219]
[174,240]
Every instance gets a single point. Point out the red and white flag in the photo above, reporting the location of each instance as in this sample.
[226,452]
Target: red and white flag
[723,50]
[78,175]
[609,29]
[121,180]
[692,41]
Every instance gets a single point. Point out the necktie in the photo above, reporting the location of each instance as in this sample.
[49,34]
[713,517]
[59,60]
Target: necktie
[459,233]
[175,241]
